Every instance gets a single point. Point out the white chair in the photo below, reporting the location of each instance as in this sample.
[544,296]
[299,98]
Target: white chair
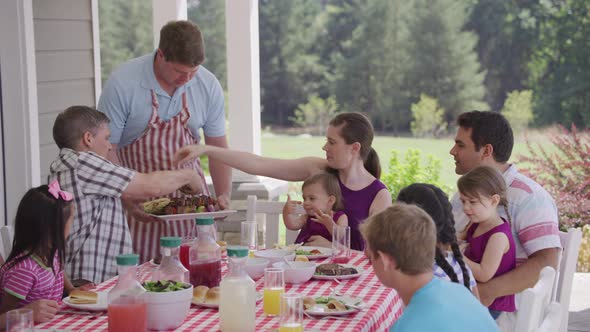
[272,210]
[6,236]
[570,242]
[552,318]
[535,301]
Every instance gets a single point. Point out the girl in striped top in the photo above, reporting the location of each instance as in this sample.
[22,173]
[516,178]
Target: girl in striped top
[33,272]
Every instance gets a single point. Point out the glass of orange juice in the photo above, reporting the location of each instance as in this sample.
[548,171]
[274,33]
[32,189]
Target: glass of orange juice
[274,287]
[291,319]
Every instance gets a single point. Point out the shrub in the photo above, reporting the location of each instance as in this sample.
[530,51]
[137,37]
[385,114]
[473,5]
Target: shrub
[428,118]
[518,109]
[315,114]
[411,170]
[565,174]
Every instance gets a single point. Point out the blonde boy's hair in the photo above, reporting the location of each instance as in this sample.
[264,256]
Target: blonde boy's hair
[406,233]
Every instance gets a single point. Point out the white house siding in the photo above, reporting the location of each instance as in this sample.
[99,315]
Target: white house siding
[65,65]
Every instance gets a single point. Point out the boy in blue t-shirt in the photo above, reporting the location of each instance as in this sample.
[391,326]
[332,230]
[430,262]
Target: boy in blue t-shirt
[400,243]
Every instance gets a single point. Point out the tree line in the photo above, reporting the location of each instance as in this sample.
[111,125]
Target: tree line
[381,57]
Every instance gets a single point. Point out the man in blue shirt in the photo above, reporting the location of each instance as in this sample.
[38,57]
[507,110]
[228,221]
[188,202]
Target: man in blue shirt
[400,243]
[157,104]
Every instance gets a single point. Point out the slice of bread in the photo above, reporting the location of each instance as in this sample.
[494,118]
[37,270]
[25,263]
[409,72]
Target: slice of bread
[83,297]
[199,293]
[212,296]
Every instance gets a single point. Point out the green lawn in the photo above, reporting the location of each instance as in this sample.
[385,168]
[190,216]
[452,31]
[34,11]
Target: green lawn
[281,146]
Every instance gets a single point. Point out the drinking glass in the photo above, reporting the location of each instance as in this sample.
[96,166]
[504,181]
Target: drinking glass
[183,255]
[274,287]
[341,244]
[249,235]
[291,319]
[19,320]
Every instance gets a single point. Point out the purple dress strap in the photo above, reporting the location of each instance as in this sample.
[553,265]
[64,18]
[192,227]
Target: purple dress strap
[315,228]
[357,204]
[475,250]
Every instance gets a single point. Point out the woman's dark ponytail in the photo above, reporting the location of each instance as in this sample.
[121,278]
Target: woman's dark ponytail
[372,163]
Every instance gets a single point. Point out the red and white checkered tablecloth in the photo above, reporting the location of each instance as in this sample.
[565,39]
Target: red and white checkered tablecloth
[383,306]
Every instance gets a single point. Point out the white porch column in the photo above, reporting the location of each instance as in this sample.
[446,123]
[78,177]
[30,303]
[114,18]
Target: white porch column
[243,77]
[164,11]
[19,109]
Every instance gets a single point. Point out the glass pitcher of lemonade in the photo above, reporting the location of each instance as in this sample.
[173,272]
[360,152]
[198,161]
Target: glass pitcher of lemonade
[237,306]
[127,310]
[205,256]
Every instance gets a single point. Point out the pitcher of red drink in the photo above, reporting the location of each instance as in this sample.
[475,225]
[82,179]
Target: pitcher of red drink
[205,256]
[127,310]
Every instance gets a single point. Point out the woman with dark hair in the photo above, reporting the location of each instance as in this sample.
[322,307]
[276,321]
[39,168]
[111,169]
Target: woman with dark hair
[448,265]
[349,155]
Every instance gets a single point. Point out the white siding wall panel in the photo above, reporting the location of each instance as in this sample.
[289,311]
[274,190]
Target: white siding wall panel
[57,96]
[49,153]
[62,9]
[53,35]
[46,128]
[65,65]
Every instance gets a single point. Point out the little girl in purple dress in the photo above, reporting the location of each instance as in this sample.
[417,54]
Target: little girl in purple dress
[322,202]
[491,250]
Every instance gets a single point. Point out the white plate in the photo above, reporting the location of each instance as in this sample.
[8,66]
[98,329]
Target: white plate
[326,252]
[350,276]
[187,216]
[216,305]
[101,305]
[322,310]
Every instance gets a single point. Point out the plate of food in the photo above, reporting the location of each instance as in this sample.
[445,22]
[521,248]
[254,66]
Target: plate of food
[206,297]
[330,271]
[331,305]
[313,252]
[87,300]
[183,208]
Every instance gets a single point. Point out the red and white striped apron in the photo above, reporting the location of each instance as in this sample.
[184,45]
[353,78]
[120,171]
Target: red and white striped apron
[154,151]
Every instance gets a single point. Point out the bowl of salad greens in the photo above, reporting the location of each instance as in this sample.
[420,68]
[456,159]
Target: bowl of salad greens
[167,302]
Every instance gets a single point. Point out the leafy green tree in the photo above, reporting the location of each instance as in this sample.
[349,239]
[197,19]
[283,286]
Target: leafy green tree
[445,62]
[125,32]
[316,114]
[209,15]
[428,117]
[370,70]
[290,70]
[560,64]
[518,109]
[506,39]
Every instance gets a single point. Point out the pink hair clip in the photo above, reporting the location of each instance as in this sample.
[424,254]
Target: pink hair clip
[56,191]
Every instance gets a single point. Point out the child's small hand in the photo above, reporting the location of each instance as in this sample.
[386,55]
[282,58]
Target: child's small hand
[326,219]
[290,206]
[43,310]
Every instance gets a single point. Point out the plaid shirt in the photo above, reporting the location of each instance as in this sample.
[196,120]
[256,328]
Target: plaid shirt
[100,231]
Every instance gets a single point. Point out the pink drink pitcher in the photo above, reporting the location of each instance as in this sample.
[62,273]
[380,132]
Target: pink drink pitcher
[127,310]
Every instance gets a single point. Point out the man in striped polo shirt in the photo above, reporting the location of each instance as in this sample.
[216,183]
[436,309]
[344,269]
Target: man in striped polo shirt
[486,139]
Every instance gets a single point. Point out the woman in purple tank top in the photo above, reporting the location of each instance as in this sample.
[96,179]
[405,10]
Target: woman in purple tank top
[491,250]
[349,156]
[322,202]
